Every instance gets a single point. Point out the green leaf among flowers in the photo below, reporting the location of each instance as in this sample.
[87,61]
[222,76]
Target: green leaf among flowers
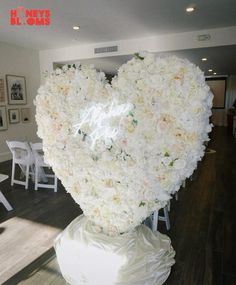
[135,122]
[142,204]
[136,55]
[109,148]
[172,162]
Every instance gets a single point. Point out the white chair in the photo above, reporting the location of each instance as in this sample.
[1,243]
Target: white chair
[156,217]
[21,156]
[40,164]
[2,197]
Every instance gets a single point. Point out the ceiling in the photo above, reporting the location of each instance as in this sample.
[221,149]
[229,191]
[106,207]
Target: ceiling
[110,20]
[221,60]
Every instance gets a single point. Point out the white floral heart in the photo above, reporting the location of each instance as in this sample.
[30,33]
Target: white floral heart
[121,150]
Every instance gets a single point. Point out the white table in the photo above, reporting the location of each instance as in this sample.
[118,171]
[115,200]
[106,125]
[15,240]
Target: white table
[2,197]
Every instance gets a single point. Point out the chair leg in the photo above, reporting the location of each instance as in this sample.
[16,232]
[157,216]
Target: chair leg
[5,202]
[32,172]
[168,206]
[27,177]
[36,177]
[55,183]
[13,172]
[176,196]
[154,220]
[167,219]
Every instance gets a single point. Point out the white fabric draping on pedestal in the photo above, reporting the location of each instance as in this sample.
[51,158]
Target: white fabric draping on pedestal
[139,257]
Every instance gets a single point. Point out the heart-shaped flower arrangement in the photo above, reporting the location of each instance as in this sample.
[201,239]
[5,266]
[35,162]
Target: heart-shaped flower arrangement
[121,150]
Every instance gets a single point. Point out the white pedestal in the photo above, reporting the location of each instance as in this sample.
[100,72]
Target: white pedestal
[140,257]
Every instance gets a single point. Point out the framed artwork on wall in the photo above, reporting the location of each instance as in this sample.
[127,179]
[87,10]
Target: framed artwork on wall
[25,115]
[16,89]
[3,118]
[14,116]
[2,93]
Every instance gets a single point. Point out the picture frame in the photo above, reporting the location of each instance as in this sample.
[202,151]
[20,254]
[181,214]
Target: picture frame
[3,118]
[25,115]
[16,89]
[14,116]
[2,91]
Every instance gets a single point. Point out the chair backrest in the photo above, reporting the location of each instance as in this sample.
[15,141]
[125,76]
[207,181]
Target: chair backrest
[36,146]
[37,149]
[21,152]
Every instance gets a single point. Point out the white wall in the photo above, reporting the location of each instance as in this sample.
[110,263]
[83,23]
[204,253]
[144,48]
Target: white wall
[180,41]
[25,62]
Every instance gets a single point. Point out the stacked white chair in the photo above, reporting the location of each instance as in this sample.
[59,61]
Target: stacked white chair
[165,218]
[155,217]
[40,164]
[21,156]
